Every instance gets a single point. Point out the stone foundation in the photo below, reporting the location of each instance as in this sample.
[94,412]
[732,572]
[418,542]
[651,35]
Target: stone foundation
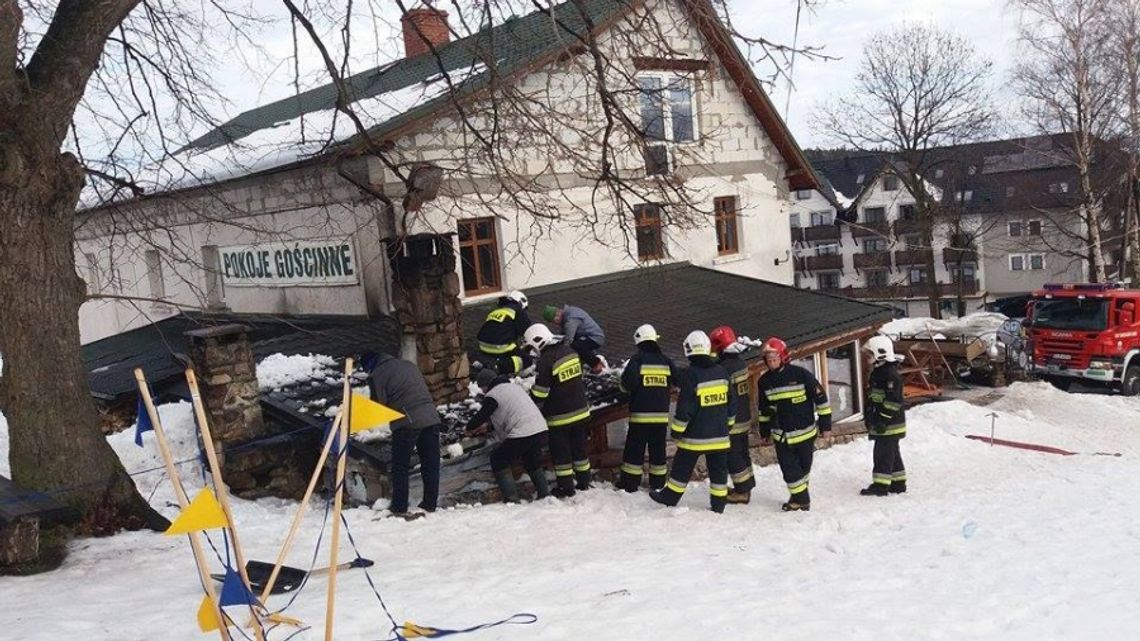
[19,541]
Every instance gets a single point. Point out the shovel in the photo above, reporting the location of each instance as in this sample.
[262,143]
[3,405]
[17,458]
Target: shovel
[289,578]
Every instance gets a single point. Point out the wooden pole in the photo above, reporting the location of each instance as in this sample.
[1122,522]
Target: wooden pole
[220,489]
[338,500]
[334,433]
[183,501]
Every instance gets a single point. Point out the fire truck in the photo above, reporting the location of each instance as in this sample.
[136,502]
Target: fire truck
[1085,332]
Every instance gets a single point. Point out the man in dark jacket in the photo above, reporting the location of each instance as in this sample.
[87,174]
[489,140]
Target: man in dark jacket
[400,385]
[581,332]
[501,334]
[648,379]
[706,411]
[790,400]
[726,348]
[519,434]
[561,394]
[886,418]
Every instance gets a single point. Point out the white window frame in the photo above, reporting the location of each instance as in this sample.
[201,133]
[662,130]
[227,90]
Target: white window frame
[1020,257]
[153,261]
[1029,262]
[94,281]
[965,196]
[828,215]
[879,208]
[896,181]
[794,221]
[827,249]
[666,78]
[838,279]
[1028,225]
[803,194]
[1012,225]
[884,272]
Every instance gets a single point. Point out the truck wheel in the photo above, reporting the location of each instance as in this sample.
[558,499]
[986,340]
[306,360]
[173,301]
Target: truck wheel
[1130,383]
[1061,383]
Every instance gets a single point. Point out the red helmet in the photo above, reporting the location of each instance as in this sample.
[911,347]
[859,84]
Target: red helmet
[722,338]
[778,346]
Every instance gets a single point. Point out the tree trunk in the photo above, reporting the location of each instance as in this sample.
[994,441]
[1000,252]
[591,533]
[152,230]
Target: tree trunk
[934,292]
[1134,231]
[56,443]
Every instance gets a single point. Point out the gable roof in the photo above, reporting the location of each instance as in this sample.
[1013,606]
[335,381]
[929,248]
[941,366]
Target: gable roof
[681,297]
[407,91]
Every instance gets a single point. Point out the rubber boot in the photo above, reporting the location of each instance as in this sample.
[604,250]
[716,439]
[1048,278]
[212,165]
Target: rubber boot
[738,497]
[583,480]
[656,482]
[667,498]
[538,478]
[564,487]
[876,489]
[629,482]
[898,487]
[717,503]
[506,481]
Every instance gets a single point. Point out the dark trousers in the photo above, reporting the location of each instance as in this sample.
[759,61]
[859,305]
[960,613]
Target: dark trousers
[640,437]
[425,442]
[795,464]
[888,467]
[740,464]
[587,350]
[568,452]
[511,363]
[528,450]
[683,463]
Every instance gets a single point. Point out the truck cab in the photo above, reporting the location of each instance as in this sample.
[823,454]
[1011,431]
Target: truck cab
[1088,332]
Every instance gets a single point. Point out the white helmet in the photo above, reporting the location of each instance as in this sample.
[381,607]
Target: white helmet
[882,349]
[645,333]
[697,344]
[538,336]
[518,297]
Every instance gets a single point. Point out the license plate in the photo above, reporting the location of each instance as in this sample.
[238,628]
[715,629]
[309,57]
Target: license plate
[1062,357]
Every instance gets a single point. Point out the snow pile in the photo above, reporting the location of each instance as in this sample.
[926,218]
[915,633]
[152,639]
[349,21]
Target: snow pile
[984,325]
[279,370]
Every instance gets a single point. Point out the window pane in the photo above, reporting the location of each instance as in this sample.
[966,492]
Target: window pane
[1015,263]
[485,229]
[1037,261]
[488,267]
[652,115]
[467,259]
[464,232]
[1035,228]
[649,242]
[732,243]
[1015,229]
[908,212]
[681,100]
[795,220]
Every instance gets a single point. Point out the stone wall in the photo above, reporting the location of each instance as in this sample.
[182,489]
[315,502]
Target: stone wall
[425,294]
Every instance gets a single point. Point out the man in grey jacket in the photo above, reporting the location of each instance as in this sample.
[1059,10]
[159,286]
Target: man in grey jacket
[519,433]
[581,332]
[400,385]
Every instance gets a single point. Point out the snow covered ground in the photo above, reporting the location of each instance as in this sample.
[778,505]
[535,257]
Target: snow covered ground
[991,543]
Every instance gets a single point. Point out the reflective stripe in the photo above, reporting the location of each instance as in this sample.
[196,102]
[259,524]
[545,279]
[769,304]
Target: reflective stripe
[649,417]
[563,470]
[891,430]
[655,369]
[785,392]
[799,436]
[566,368]
[881,479]
[741,427]
[823,410]
[629,468]
[501,314]
[712,393]
[892,406]
[675,486]
[704,444]
[517,361]
[678,426]
[496,350]
[582,466]
[800,485]
[898,476]
[763,418]
[718,490]
[540,391]
[741,477]
[740,376]
[558,420]
[658,470]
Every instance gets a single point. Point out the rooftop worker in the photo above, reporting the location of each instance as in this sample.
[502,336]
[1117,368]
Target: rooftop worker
[788,418]
[726,348]
[706,410]
[648,379]
[501,334]
[886,418]
[519,434]
[560,392]
[580,332]
[400,385]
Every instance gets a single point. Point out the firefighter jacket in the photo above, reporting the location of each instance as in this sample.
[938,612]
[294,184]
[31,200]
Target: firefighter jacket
[503,328]
[648,378]
[559,389]
[706,407]
[738,376]
[885,416]
[790,399]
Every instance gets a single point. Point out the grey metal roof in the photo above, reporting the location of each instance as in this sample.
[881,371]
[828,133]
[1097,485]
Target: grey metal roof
[503,49]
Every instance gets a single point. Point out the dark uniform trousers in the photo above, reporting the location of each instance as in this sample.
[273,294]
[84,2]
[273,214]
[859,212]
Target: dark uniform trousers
[795,464]
[740,463]
[568,453]
[640,437]
[888,467]
[684,461]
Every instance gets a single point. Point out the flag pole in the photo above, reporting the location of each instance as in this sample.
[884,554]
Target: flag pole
[220,489]
[183,501]
[338,501]
[333,434]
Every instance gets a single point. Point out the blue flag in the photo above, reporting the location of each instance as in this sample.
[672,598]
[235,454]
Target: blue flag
[334,450]
[234,591]
[144,424]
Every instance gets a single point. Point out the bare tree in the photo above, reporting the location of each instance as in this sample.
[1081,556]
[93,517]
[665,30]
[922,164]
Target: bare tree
[918,88]
[1125,15]
[1071,83]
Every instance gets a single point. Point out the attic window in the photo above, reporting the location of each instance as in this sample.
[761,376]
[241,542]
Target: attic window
[803,194]
[859,180]
[964,196]
[1059,188]
[667,107]
[890,183]
[938,173]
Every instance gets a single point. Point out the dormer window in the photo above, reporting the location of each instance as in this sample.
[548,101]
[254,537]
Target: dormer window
[667,107]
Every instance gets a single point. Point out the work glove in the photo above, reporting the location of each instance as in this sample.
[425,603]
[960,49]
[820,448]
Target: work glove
[824,423]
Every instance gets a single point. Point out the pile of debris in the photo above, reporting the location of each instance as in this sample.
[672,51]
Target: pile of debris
[984,347]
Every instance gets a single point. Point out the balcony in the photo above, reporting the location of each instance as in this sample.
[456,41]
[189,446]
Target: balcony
[880,229]
[821,232]
[799,263]
[823,263]
[912,257]
[873,260]
[904,227]
[951,256]
[797,235]
[893,292]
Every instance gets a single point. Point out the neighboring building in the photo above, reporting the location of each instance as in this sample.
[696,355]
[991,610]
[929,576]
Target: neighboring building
[270,221]
[1007,223]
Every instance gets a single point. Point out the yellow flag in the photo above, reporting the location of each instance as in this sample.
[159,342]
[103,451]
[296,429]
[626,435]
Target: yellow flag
[412,631]
[368,414]
[203,513]
[207,616]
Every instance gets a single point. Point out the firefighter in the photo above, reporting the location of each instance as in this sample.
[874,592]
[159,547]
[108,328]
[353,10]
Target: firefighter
[724,344]
[790,399]
[501,332]
[886,418]
[581,332]
[560,391]
[648,379]
[706,411]
[519,433]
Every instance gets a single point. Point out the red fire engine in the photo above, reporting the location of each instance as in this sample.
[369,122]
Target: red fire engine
[1086,332]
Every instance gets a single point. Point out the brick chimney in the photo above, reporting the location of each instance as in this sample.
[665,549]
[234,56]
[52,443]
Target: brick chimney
[432,24]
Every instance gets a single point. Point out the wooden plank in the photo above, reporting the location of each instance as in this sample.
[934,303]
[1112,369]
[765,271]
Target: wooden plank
[17,502]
